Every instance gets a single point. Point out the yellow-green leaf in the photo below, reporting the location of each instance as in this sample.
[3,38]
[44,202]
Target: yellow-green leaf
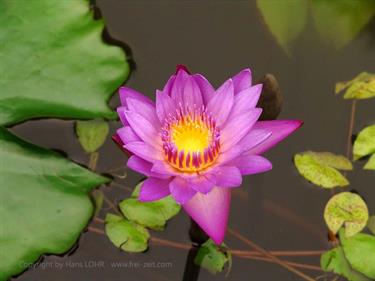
[346,209]
[370,165]
[320,168]
[365,143]
[212,257]
[361,87]
[92,134]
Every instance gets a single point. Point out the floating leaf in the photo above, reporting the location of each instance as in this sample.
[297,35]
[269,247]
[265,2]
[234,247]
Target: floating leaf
[149,214]
[54,62]
[320,168]
[371,224]
[92,134]
[44,203]
[335,261]
[370,165]
[360,252]
[125,234]
[365,143]
[346,209]
[285,19]
[361,87]
[212,257]
[98,197]
[339,21]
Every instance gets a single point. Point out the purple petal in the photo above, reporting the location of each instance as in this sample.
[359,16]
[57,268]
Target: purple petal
[202,183]
[126,92]
[221,103]
[210,211]
[245,100]
[192,95]
[127,135]
[242,80]
[154,189]
[161,167]
[253,138]
[251,164]
[228,155]
[164,105]
[177,89]
[121,113]
[227,176]
[180,190]
[116,138]
[280,130]
[206,88]
[144,109]
[168,86]
[145,151]
[236,129]
[142,166]
[143,128]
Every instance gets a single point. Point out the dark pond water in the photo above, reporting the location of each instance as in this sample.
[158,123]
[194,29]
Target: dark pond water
[279,210]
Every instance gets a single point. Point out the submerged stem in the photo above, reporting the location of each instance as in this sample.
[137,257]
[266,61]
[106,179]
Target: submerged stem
[268,255]
[350,130]
[93,160]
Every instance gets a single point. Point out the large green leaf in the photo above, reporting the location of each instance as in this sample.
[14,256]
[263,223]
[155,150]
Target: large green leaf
[346,209]
[153,215]
[285,19]
[360,87]
[53,62]
[360,252]
[335,261]
[44,204]
[365,143]
[339,21]
[320,168]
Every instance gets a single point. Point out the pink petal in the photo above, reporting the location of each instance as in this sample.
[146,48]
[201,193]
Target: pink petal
[143,128]
[192,94]
[202,183]
[227,176]
[154,189]
[254,138]
[126,92]
[210,211]
[206,88]
[280,130]
[144,109]
[164,105]
[127,135]
[180,190]
[144,150]
[242,80]
[144,167]
[177,89]
[251,164]
[221,103]
[236,129]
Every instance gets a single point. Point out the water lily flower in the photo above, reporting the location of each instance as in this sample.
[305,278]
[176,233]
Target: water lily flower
[195,143]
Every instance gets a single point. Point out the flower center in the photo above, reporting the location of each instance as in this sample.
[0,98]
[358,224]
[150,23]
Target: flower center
[191,140]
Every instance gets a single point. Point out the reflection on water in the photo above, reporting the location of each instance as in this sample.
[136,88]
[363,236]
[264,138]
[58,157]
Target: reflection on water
[278,210]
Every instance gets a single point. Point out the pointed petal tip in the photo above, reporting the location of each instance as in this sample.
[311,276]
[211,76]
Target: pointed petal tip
[211,212]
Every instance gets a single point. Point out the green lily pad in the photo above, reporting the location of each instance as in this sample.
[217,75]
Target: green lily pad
[346,209]
[365,143]
[360,252]
[320,168]
[370,165]
[44,203]
[153,215]
[339,21]
[54,62]
[125,234]
[285,19]
[335,261]
[92,134]
[212,257]
[361,87]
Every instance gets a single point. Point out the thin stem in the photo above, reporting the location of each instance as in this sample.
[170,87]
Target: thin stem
[279,253]
[350,130]
[115,184]
[93,160]
[268,255]
[163,242]
[96,230]
[98,220]
[295,264]
[111,205]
